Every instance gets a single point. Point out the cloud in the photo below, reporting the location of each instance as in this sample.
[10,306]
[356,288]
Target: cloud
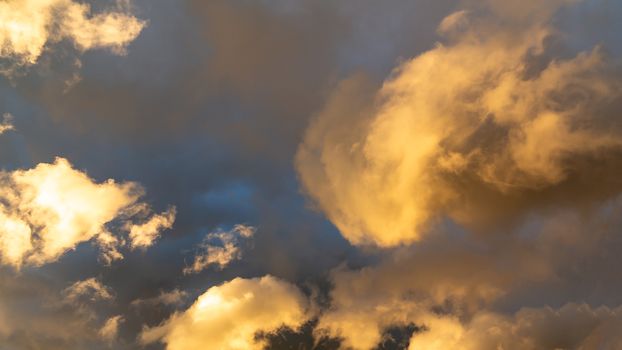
[110,330]
[27,28]
[33,314]
[90,289]
[207,112]
[573,326]
[230,315]
[220,248]
[495,152]
[492,121]
[453,278]
[52,208]
[7,123]
[453,22]
[144,235]
[174,298]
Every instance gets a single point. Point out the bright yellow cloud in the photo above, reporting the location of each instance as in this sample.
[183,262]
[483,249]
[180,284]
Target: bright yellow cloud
[227,317]
[28,26]
[52,208]
[143,235]
[220,248]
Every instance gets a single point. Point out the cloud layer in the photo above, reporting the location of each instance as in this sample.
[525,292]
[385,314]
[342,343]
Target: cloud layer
[461,160]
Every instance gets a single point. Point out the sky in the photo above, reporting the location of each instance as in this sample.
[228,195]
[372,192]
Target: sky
[311,175]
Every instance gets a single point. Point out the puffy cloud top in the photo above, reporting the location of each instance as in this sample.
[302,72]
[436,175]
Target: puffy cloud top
[229,316]
[490,120]
[50,209]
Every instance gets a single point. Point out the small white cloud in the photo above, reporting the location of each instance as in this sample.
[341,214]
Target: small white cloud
[220,248]
[144,235]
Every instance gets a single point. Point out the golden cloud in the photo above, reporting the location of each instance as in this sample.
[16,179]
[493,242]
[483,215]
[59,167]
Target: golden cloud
[484,123]
[229,316]
[144,235]
[573,326]
[50,209]
[220,248]
[28,26]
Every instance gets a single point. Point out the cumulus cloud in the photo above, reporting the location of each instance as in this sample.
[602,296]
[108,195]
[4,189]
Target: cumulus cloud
[50,209]
[220,248]
[28,27]
[461,278]
[490,121]
[496,152]
[229,316]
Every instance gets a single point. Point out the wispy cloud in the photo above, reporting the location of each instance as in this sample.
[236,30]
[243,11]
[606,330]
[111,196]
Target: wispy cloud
[7,123]
[220,248]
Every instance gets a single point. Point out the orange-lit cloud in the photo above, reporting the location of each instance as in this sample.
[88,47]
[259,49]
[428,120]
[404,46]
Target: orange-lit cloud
[486,122]
[499,131]
[110,329]
[220,248]
[144,235]
[52,208]
[462,279]
[27,27]
[229,316]
[174,297]
[572,326]
[90,289]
